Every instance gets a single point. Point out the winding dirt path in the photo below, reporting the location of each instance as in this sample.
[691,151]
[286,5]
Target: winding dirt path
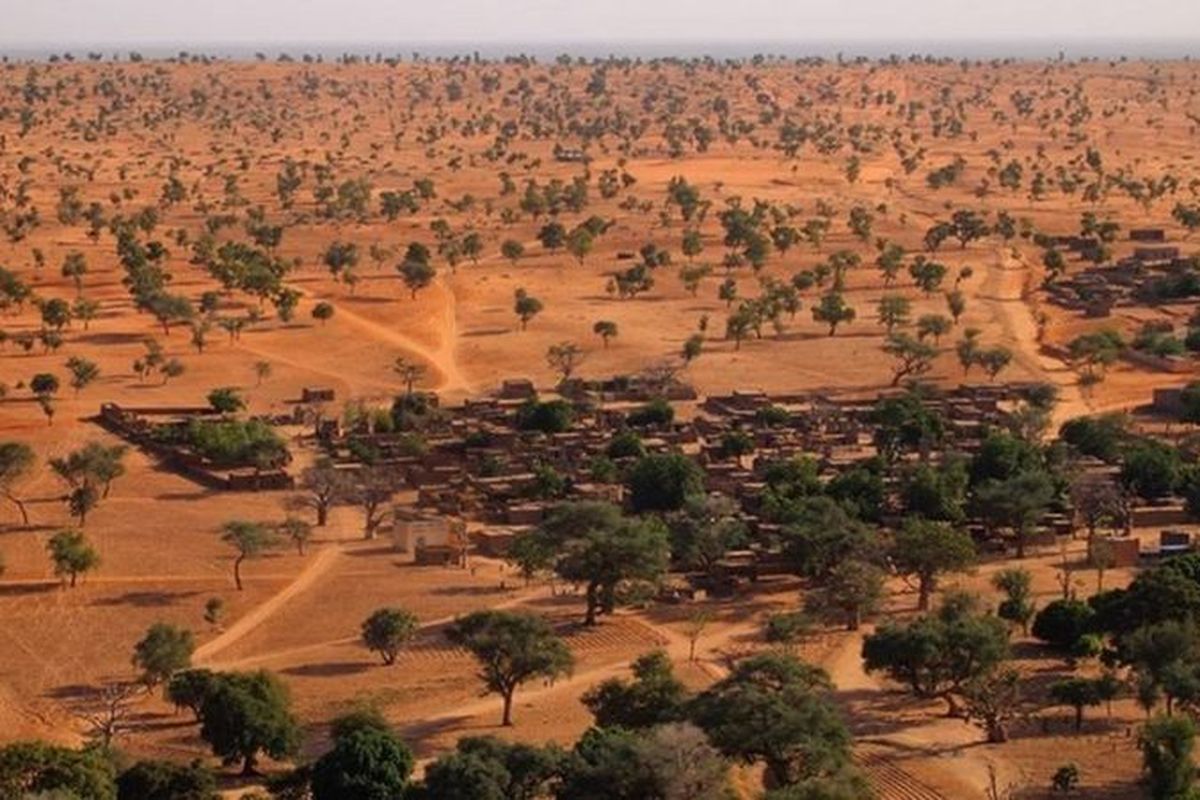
[317,567]
[1005,291]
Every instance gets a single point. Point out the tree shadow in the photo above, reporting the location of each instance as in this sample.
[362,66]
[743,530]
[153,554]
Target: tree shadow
[327,670]
[145,599]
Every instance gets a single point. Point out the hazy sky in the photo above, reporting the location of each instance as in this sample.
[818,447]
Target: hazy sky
[406,22]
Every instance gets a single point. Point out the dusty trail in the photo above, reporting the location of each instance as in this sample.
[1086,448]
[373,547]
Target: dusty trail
[316,647]
[1005,292]
[443,357]
[312,572]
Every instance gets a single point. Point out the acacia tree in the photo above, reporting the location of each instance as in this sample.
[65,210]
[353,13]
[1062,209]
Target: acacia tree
[17,460]
[249,540]
[245,714]
[605,329]
[323,485]
[940,653]
[526,307]
[833,311]
[924,549]
[72,555]
[564,358]
[777,711]
[163,651]
[511,649]
[387,630]
[592,543]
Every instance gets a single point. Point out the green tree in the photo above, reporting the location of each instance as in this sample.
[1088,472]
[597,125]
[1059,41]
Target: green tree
[924,549]
[366,762]
[606,330]
[833,311]
[851,591]
[166,780]
[72,555]
[1078,693]
[526,307]
[776,710]
[511,649]
[663,482]
[163,651]
[17,461]
[654,696]
[939,653]
[245,714]
[1166,744]
[37,769]
[387,630]
[249,540]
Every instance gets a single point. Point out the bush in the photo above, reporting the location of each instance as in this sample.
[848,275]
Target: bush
[1062,623]
[657,412]
[662,482]
[553,416]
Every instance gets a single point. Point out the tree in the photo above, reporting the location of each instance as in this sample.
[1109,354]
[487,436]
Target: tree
[37,769]
[226,400]
[564,358]
[933,325]
[387,630]
[579,243]
[693,346]
[776,710]
[83,372]
[526,307]
[166,780]
[417,275]
[365,762]
[72,555]
[371,489]
[1016,503]
[249,540]
[1150,470]
[893,310]
[851,591]
[654,696]
[956,304]
[990,701]
[1166,743]
[925,549]
[245,714]
[17,461]
[512,250]
[74,267]
[994,360]
[940,653]
[606,330]
[1017,606]
[927,275]
[486,768]
[323,311]
[663,481]
[511,649]
[163,651]
[323,484]
[296,530]
[1062,623]
[1078,693]
[913,356]
[593,544]
[832,310]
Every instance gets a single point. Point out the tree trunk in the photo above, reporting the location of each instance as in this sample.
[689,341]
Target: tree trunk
[997,732]
[590,616]
[1078,718]
[20,507]
[322,514]
[237,572]
[506,717]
